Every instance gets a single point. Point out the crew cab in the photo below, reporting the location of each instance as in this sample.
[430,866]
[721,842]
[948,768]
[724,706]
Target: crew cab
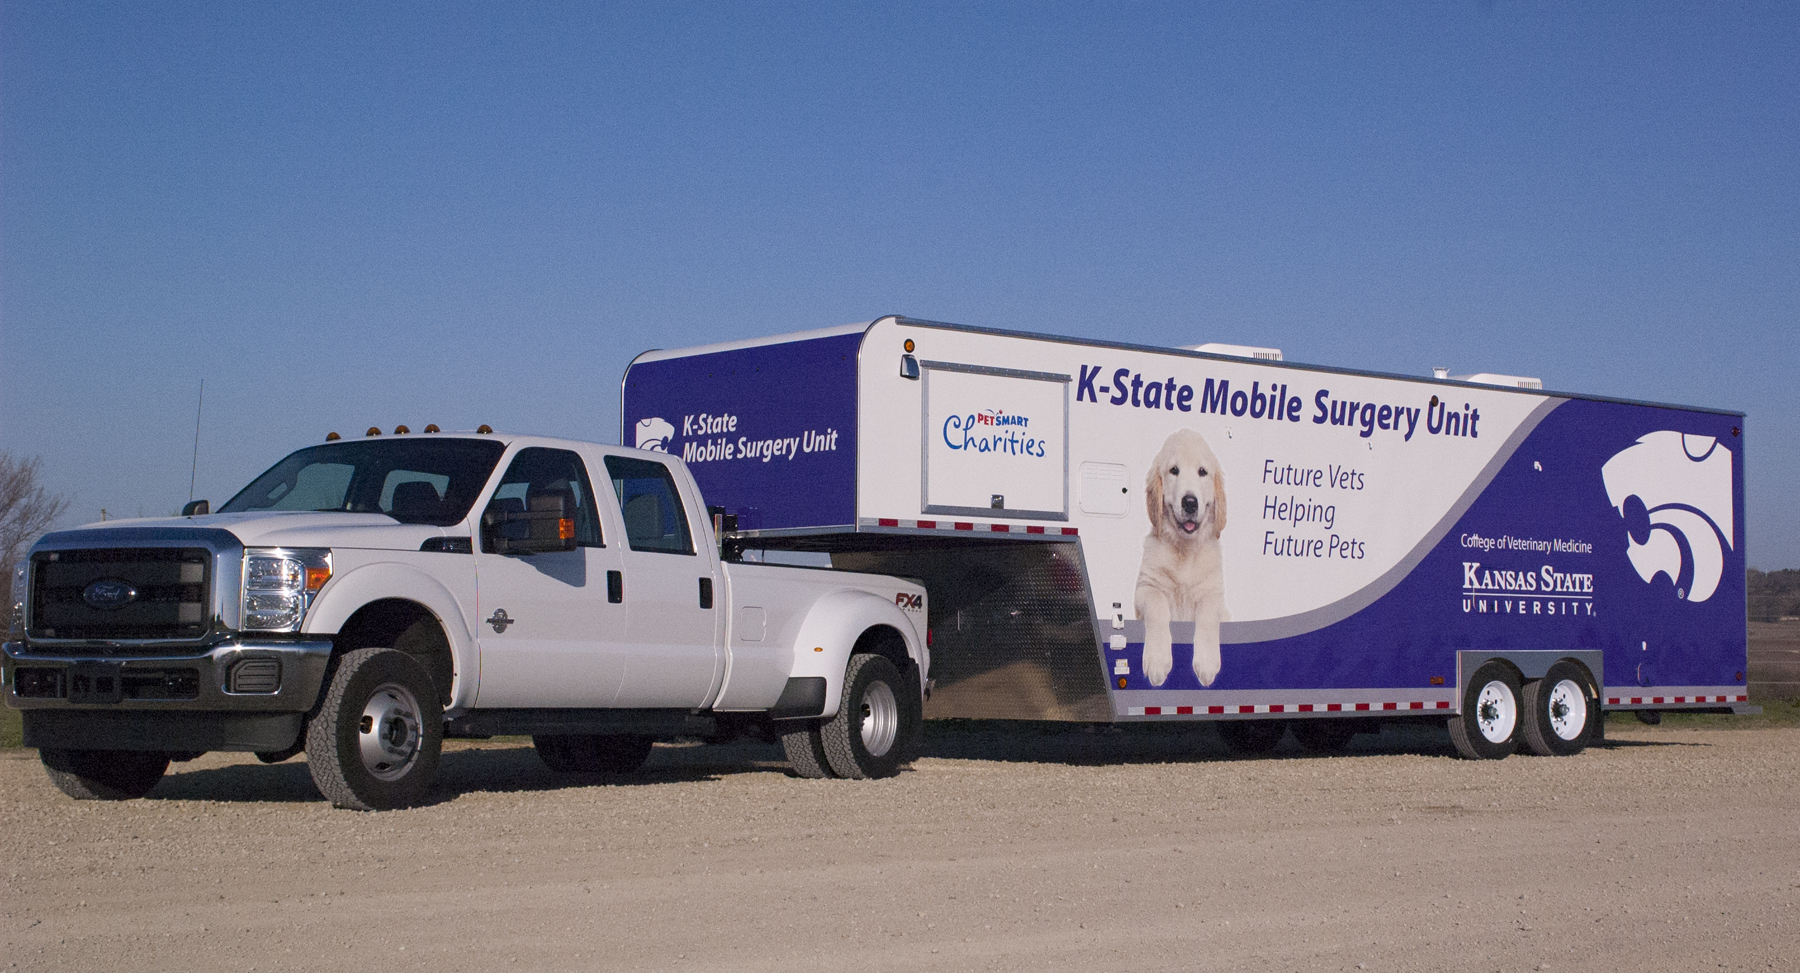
[363,599]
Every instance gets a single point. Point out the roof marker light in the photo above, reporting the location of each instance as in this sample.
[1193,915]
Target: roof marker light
[431,428]
[483,429]
[372,431]
[332,437]
[401,430]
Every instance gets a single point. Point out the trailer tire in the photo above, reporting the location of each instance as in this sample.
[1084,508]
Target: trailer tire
[1559,712]
[104,775]
[878,722]
[805,749]
[1252,737]
[1488,726]
[375,744]
[1330,735]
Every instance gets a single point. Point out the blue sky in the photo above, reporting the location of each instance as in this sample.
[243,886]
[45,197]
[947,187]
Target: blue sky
[356,214]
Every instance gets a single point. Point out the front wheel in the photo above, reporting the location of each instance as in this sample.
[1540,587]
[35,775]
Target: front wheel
[104,775]
[1488,726]
[878,722]
[1559,712]
[376,740]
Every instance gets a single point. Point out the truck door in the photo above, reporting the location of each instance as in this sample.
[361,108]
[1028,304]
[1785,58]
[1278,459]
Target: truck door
[674,660]
[549,635]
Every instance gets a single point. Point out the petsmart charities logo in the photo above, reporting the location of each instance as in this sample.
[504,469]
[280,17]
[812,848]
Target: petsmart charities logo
[992,431]
[707,440]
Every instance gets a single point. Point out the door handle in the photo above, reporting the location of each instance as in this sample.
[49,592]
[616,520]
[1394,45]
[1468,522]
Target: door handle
[705,592]
[615,586]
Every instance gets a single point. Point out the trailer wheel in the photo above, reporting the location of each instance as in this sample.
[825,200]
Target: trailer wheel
[877,723]
[805,748]
[1324,736]
[1488,726]
[1559,712]
[103,775]
[1252,737]
[376,740]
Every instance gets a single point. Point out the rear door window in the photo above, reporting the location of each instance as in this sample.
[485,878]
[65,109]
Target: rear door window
[650,506]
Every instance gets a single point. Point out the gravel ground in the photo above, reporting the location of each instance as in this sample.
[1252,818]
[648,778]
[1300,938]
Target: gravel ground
[1034,849]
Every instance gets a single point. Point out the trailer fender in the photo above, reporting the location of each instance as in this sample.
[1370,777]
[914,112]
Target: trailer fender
[349,592]
[831,630]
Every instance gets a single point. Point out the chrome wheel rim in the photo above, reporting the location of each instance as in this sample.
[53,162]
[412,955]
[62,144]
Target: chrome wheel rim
[880,718]
[389,733]
[1496,712]
[1568,710]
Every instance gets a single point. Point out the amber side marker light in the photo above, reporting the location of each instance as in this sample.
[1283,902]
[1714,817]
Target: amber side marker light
[401,430]
[431,428]
[483,429]
[909,345]
[1437,680]
[316,578]
[373,431]
[332,437]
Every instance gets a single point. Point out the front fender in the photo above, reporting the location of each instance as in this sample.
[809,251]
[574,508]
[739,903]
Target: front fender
[830,631]
[346,593]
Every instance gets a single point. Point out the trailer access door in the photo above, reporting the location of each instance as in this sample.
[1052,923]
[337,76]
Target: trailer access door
[996,442]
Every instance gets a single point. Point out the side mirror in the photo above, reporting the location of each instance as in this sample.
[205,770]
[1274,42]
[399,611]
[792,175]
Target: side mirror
[196,508]
[547,525]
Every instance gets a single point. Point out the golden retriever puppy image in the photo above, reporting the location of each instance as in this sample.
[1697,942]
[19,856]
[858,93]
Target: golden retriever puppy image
[1182,578]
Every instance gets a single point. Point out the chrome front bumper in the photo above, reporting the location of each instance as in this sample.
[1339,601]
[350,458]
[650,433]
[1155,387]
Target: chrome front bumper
[285,678]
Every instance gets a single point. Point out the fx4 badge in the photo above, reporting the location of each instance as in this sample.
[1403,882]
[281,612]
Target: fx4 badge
[909,602]
[500,620]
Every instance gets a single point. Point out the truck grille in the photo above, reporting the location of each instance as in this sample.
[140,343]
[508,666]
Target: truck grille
[121,593]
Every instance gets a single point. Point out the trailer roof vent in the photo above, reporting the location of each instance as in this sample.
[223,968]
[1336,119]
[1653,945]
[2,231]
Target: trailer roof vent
[1241,351]
[1492,378]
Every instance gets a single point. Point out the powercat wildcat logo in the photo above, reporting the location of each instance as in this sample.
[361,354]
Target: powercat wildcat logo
[654,434]
[1674,492]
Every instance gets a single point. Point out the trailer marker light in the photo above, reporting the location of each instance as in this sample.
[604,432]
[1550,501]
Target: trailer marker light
[908,346]
[818,648]
[1437,680]
[1121,682]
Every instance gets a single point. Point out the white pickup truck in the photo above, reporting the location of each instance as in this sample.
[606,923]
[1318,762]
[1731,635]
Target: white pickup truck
[364,599]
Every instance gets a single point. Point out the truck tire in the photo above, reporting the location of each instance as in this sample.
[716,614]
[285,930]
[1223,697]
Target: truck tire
[375,743]
[1324,736]
[557,751]
[1252,737]
[104,775]
[877,724]
[805,749]
[1559,712]
[1488,726]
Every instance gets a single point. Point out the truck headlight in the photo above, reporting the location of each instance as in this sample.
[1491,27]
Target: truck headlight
[279,585]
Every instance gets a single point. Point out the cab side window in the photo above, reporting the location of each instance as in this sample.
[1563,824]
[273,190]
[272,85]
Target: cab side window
[540,472]
[650,506]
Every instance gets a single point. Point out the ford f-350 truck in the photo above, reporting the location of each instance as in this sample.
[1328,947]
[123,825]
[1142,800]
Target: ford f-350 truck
[363,599]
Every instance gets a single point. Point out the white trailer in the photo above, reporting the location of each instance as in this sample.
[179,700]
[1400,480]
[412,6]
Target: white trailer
[1113,532]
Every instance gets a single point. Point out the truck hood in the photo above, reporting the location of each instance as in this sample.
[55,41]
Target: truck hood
[300,529]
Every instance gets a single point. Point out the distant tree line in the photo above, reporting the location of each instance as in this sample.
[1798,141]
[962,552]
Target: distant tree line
[1773,595]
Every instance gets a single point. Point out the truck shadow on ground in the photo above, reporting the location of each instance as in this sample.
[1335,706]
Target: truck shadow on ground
[501,768]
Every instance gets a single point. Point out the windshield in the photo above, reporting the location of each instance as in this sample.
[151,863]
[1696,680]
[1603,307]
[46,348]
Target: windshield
[414,481]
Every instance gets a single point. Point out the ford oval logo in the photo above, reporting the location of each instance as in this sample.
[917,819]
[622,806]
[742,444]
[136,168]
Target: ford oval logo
[108,594]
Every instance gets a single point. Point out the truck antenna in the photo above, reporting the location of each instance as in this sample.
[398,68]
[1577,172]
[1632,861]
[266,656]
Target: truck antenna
[194,470]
